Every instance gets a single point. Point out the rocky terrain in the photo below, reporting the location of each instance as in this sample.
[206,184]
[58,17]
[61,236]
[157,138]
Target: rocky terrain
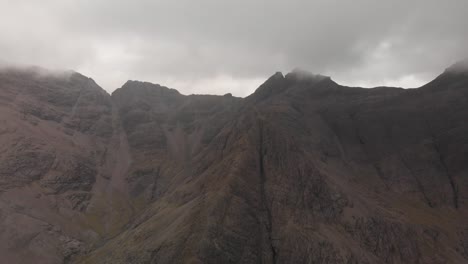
[304,170]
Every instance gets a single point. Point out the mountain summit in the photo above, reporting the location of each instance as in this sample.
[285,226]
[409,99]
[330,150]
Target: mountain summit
[304,170]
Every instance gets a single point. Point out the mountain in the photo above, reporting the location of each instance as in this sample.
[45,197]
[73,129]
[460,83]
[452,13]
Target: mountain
[304,170]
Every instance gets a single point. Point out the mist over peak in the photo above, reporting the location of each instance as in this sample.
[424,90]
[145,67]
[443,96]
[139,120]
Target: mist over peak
[303,75]
[459,67]
[36,71]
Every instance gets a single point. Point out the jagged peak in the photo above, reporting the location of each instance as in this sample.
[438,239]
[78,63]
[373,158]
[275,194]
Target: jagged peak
[279,82]
[277,75]
[272,85]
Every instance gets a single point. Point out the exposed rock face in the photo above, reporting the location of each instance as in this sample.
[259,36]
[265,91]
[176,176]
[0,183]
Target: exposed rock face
[302,171]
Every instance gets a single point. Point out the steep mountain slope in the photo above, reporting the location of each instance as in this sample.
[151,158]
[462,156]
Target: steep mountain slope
[302,171]
[60,148]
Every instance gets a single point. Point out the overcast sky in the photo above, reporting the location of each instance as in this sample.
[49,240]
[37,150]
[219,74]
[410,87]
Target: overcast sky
[216,46]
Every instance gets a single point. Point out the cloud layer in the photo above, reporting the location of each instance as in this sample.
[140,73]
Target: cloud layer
[212,46]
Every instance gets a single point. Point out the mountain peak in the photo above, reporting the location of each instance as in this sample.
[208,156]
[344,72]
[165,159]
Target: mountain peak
[272,85]
[135,86]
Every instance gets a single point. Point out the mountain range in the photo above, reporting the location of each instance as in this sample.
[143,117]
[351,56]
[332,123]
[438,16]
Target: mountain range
[303,170]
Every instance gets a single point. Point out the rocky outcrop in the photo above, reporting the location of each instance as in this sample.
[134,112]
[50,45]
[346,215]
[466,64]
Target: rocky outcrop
[302,171]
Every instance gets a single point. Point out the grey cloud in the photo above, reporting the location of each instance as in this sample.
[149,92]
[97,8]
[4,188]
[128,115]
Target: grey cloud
[235,44]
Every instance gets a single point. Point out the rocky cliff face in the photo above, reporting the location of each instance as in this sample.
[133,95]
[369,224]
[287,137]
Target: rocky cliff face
[302,171]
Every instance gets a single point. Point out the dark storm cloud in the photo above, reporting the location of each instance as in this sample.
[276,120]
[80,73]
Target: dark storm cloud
[231,46]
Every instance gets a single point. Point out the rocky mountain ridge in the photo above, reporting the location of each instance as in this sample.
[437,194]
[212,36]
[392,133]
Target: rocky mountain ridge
[304,170]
